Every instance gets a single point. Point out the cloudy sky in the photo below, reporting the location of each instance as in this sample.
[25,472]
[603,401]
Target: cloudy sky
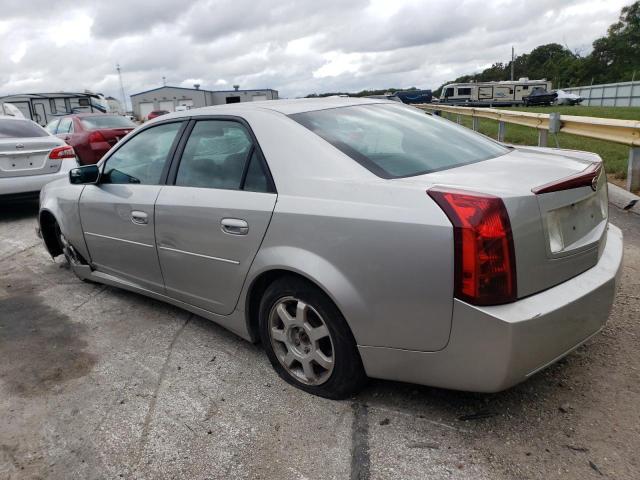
[294,46]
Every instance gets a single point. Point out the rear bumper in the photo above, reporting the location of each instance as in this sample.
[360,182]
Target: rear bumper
[17,187]
[493,348]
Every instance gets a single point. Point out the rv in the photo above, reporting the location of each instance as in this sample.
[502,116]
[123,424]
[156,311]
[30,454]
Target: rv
[491,93]
[43,107]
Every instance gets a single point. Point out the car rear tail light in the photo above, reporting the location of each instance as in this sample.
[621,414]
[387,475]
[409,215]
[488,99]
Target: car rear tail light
[95,137]
[484,258]
[60,153]
[587,178]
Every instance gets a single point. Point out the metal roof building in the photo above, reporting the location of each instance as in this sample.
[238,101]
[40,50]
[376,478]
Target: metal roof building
[170,98]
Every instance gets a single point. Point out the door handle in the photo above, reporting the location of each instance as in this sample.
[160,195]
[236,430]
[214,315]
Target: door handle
[139,218]
[234,226]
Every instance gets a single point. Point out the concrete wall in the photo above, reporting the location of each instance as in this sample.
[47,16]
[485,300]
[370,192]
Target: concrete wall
[623,94]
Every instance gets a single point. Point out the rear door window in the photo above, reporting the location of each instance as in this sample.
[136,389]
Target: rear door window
[398,141]
[221,154]
[11,128]
[66,125]
[51,126]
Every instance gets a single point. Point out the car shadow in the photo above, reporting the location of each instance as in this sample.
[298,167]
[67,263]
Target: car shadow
[544,395]
[11,211]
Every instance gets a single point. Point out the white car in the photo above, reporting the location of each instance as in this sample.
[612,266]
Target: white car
[30,157]
[566,98]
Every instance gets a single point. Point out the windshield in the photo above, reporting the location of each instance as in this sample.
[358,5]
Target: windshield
[106,121]
[395,141]
[21,129]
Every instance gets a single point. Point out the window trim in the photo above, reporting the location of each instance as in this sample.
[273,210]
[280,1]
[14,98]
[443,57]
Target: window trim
[184,121]
[177,157]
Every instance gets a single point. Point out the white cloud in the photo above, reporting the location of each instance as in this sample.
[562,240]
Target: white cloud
[294,46]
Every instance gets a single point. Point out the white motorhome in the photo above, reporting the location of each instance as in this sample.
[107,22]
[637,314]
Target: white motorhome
[43,107]
[488,93]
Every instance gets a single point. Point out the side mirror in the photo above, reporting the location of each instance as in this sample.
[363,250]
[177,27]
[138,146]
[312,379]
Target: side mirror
[84,175]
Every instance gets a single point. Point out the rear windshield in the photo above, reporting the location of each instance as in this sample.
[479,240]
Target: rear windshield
[21,129]
[106,121]
[395,141]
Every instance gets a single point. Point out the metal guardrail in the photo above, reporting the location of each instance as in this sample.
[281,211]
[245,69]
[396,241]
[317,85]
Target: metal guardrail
[625,132]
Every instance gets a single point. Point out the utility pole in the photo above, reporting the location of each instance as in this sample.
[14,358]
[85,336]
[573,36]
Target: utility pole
[512,60]
[164,81]
[124,97]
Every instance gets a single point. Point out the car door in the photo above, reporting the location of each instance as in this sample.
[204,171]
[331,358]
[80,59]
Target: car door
[117,214]
[211,221]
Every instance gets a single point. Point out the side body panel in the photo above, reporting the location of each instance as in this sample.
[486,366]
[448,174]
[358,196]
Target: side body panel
[389,270]
[117,244]
[202,264]
[60,198]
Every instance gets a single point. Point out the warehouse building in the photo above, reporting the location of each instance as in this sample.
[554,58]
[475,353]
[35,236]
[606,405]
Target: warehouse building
[172,98]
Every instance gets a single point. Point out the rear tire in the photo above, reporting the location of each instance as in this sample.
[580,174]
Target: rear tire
[308,341]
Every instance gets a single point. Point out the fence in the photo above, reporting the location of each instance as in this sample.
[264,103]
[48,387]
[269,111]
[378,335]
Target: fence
[626,132]
[624,94]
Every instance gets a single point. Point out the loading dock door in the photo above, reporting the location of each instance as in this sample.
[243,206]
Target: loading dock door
[259,98]
[145,109]
[167,105]
[185,103]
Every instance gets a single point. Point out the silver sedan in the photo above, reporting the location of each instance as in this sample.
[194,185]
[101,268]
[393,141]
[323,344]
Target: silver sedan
[30,157]
[353,238]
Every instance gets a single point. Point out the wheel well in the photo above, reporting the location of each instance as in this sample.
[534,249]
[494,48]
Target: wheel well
[256,291]
[48,232]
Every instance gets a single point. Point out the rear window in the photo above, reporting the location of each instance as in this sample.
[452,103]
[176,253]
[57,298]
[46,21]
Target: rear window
[106,121]
[394,141]
[21,129]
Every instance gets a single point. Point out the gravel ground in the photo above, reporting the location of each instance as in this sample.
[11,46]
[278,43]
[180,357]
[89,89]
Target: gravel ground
[96,382]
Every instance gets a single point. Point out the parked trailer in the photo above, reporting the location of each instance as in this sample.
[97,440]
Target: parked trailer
[43,107]
[491,93]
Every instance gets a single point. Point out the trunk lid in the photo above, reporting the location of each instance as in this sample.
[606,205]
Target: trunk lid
[20,157]
[558,234]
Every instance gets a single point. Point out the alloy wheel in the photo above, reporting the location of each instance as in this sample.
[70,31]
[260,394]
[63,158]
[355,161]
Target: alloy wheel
[301,341]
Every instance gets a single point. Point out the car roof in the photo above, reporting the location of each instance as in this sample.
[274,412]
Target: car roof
[287,107]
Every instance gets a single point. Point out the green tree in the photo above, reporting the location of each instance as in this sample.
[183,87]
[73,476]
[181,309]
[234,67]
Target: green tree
[616,57]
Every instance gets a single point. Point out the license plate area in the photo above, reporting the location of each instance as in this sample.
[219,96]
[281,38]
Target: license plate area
[577,225]
[18,163]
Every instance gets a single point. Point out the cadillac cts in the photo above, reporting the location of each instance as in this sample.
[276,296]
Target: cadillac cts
[353,238]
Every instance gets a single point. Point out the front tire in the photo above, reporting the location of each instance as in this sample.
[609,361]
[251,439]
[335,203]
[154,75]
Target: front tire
[308,341]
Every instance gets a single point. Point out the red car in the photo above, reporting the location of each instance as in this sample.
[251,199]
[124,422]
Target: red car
[156,113]
[91,134]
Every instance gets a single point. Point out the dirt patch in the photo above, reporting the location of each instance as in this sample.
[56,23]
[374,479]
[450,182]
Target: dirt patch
[40,347]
